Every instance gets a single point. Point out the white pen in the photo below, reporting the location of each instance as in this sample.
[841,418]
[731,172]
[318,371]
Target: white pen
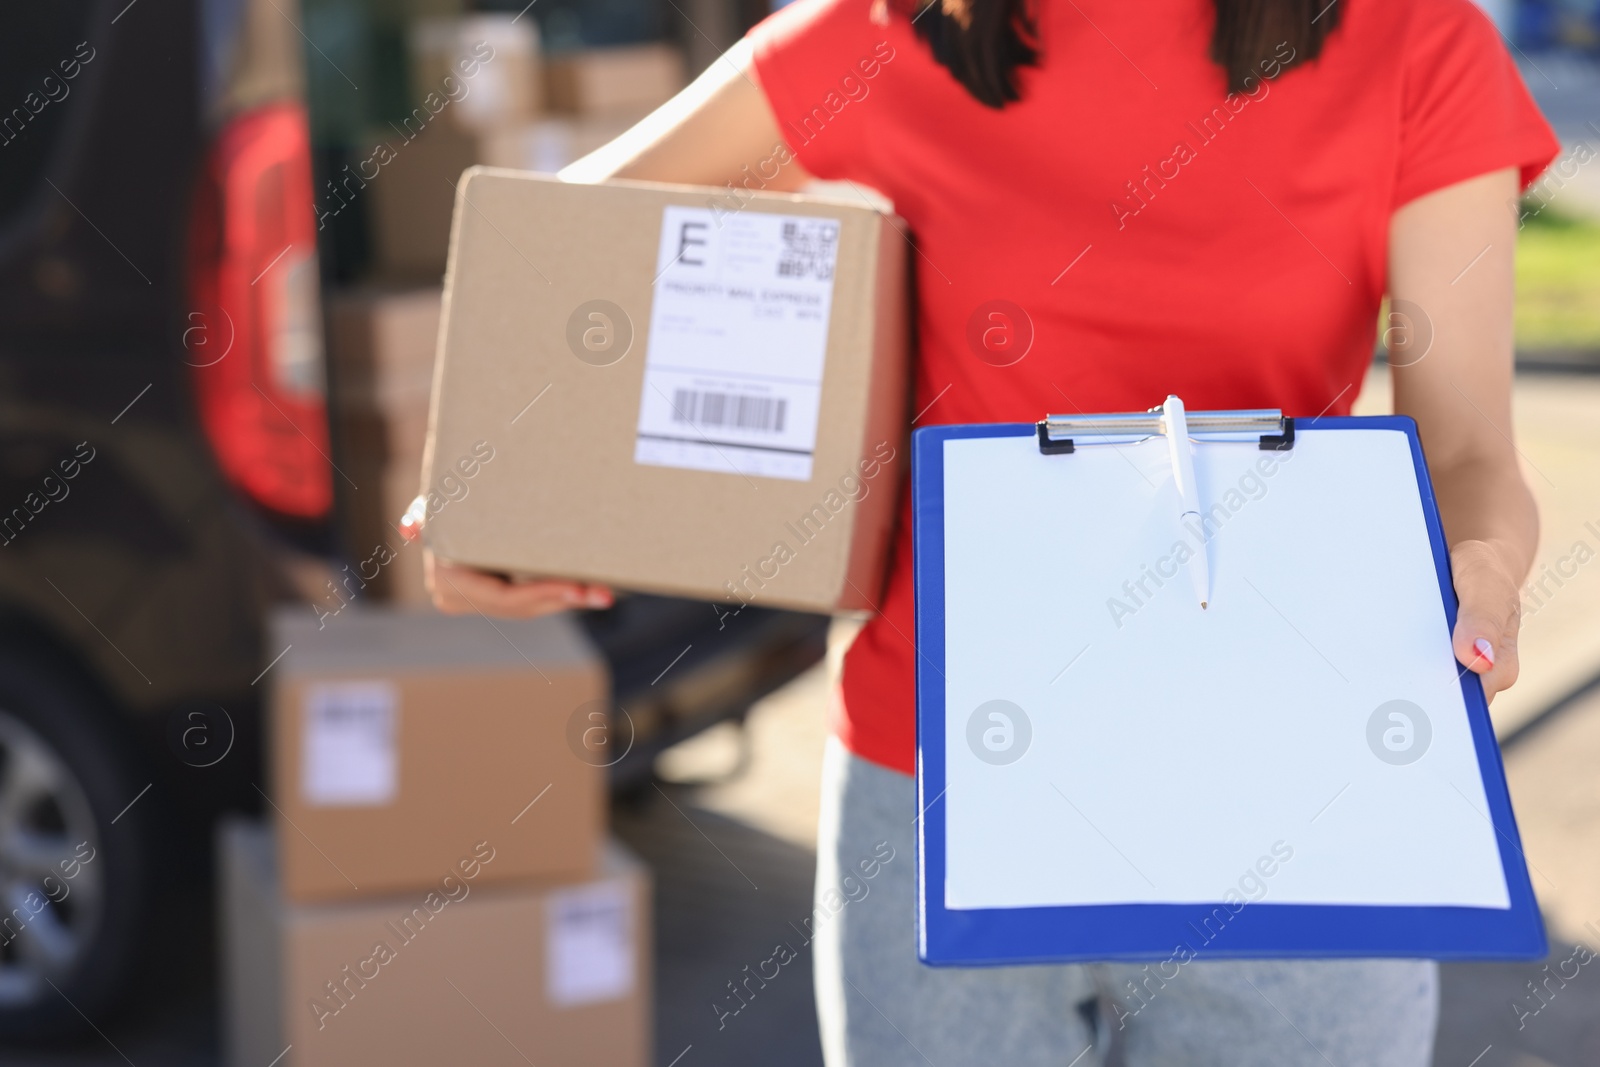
[1177,427]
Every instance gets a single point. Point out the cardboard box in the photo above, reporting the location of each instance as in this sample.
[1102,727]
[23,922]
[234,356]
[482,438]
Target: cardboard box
[466,972]
[479,72]
[411,195]
[381,348]
[739,442]
[399,739]
[395,435]
[381,343]
[599,81]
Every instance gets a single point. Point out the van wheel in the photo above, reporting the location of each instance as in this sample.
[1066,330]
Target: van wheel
[75,867]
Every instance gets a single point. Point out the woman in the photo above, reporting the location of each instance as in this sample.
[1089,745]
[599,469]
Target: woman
[1112,202]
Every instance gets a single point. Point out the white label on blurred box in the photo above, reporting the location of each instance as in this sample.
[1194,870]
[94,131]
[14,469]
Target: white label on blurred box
[738,338]
[590,956]
[349,756]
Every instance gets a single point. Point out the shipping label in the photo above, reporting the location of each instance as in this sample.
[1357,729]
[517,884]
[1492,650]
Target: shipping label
[349,754]
[590,956]
[738,339]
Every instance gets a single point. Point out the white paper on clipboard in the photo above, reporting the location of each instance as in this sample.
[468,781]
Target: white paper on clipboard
[1163,779]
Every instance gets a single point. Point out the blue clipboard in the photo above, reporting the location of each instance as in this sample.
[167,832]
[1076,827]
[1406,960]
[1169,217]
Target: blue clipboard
[977,936]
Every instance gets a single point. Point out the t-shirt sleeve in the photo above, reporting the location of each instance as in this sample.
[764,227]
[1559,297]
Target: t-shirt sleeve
[1465,109]
[815,60]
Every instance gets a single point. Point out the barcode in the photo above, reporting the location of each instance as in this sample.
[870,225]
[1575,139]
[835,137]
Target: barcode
[729,409]
[808,249]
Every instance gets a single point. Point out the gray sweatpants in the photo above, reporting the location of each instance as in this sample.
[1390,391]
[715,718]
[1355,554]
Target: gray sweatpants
[880,1007]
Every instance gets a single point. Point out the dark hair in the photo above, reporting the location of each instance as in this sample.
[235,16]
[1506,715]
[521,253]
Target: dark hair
[983,42]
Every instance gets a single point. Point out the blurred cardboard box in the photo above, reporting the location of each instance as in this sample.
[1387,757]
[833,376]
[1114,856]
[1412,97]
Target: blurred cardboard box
[394,435]
[599,81]
[688,393]
[381,346]
[479,72]
[398,739]
[413,195]
[381,343]
[412,191]
[457,972]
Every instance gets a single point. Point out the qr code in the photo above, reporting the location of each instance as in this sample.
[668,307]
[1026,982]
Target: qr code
[810,247]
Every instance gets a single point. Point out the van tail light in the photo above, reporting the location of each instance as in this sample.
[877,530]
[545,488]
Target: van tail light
[254,333]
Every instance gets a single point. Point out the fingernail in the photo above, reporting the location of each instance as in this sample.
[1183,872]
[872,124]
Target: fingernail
[1484,650]
[411,522]
[598,599]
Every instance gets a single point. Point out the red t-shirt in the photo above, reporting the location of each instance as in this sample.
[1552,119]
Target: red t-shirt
[1146,234]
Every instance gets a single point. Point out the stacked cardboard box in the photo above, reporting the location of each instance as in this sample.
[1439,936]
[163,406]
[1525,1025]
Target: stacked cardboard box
[613,81]
[434,825]
[482,72]
[471,78]
[381,348]
[399,738]
[457,973]
[485,97]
